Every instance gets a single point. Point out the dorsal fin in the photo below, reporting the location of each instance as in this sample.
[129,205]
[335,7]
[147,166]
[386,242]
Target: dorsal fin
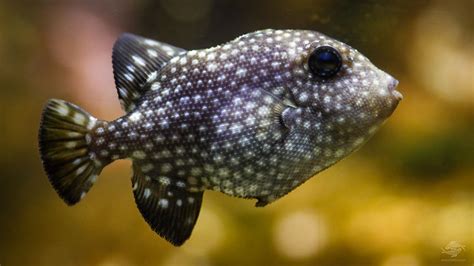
[134,60]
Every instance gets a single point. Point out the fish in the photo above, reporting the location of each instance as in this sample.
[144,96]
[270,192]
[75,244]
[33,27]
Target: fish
[252,118]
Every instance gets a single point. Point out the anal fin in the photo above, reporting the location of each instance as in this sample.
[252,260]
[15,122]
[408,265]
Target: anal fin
[171,211]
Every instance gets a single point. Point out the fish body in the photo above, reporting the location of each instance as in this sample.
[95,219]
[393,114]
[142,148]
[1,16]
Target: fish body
[253,118]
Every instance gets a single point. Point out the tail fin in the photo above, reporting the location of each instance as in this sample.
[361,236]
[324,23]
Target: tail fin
[63,142]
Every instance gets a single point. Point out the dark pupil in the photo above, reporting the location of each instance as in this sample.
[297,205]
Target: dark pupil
[325,62]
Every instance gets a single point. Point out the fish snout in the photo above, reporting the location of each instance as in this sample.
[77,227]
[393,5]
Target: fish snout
[392,85]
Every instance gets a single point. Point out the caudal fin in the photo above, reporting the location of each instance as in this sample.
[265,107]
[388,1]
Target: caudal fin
[63,143]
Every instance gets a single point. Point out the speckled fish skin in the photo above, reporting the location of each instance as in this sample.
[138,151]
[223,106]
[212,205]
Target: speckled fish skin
[247,118]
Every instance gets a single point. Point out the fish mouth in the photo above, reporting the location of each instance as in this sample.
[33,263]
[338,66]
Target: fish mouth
[397,95]
[391,87]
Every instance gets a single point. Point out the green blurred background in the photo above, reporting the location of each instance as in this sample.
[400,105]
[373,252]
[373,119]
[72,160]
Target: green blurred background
[403,199]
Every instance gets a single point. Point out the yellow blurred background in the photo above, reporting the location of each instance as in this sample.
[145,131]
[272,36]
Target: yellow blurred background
[405,198]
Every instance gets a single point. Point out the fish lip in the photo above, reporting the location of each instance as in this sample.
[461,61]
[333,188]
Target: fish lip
[397,95]
[391,87]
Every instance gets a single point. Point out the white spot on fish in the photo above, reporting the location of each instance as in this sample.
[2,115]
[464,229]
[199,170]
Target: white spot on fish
[152,52]
[152,76]
[139,154]
[138,60]
[146,193]
[81,169]
[62,109]
[147,167]
[79,118]
[163,203]
[135,116]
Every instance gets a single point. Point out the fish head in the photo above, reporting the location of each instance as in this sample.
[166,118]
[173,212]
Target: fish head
[339,83]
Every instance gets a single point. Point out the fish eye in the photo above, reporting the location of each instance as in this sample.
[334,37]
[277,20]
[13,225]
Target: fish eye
[325,62]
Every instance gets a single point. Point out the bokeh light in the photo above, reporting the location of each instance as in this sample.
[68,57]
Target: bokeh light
[443,55]
[300,235]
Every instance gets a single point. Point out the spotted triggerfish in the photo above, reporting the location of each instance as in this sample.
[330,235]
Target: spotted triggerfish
[253,118]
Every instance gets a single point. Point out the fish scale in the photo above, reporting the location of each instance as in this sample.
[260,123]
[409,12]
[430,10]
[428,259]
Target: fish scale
[253,118]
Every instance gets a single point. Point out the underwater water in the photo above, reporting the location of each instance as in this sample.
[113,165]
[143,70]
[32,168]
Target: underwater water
[405,198]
